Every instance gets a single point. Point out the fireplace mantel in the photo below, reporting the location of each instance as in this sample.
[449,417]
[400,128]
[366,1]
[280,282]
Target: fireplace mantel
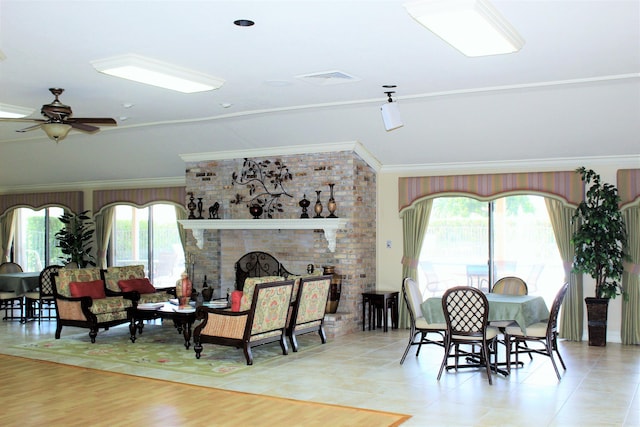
[329,225]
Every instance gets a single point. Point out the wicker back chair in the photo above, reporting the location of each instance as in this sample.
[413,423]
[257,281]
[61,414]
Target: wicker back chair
[43,297]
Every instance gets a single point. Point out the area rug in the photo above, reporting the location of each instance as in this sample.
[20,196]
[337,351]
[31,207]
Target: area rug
[160,347]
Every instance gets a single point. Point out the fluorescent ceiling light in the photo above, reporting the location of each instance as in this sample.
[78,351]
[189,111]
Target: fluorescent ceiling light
[474,27]
[14,112]
[157,73]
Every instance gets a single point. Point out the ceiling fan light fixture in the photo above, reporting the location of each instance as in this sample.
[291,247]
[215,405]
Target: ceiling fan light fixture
[14,112]
[474,27]
[156,73]
[56,131]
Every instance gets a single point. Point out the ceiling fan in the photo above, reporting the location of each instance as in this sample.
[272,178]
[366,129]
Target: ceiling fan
[59,120]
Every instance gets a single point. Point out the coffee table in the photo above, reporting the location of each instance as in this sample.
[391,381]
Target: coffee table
[182,318]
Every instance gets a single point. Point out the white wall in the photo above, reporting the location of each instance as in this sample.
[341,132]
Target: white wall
[390,226]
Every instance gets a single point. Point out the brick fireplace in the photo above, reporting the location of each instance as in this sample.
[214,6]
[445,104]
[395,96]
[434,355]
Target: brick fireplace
[217,244]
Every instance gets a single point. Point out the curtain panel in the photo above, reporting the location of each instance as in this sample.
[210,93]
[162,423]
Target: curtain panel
[138,196]
[70,200]
[628,183]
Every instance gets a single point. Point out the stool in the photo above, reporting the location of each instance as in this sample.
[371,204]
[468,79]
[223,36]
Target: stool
[379,304]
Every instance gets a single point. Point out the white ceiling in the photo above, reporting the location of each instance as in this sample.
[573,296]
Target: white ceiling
[572,91]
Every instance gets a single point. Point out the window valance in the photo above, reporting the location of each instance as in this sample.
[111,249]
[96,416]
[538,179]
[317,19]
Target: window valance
[628,186]
[71,200]
[138,196]
[565,185]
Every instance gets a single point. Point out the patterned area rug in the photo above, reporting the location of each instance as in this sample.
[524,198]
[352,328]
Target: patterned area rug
[160,347]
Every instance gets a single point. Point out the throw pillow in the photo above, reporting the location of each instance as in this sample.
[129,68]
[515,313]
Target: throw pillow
[236,297]
[93,289]
[143,286]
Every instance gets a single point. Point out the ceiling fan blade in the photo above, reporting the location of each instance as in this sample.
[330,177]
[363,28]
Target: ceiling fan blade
[6,119]
[83,127]
[34,127]
[97,120]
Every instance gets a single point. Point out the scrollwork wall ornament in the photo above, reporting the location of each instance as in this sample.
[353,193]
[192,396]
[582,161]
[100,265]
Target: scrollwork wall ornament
[265,181]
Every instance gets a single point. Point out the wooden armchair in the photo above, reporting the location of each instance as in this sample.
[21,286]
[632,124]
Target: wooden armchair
[81,301]
[308,309]
[264,322]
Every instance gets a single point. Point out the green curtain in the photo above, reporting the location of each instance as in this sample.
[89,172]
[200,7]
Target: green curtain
[6,235]
[415,221]
[104,225]
[630,328]
[571,324]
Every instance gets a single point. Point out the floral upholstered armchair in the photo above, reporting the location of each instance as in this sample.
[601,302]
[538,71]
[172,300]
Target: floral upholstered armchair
[264,322]
[307,312]
[131,282]
[81,301]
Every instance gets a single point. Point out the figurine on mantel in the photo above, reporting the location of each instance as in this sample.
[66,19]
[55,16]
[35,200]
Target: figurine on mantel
[213,211]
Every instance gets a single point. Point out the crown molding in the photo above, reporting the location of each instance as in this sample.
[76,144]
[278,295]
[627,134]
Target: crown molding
[98,185]
[354,146]
[507,166]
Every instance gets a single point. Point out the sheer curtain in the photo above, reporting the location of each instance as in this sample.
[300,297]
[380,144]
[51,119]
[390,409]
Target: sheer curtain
[630,328]
[415,221]
[181,213]
[6,234]
[573,306]
[104,224]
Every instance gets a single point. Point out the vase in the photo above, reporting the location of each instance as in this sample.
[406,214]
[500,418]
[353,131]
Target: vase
[200,208]
[191,206]
[207,292]
[334,289]
[183,291]
[304,204]
[318,206]
[256,211]
[597,309]
[331,205]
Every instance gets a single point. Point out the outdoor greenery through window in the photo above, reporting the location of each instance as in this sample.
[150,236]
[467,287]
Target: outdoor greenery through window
[148,236]
[34,238]
[512,235]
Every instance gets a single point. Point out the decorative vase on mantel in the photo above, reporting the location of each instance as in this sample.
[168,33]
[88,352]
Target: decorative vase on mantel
[318,206]
[331,205]
[334,290]
[256,211]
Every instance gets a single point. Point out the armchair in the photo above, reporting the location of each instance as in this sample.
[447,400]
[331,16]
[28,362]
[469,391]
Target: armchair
[264,322]
[81,301]
[308,309]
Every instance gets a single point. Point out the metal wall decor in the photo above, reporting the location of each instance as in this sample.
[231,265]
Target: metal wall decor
[265,181]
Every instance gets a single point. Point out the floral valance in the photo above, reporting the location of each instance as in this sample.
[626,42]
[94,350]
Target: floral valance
[565,185]
[628,186]
[71,200]
[138,196]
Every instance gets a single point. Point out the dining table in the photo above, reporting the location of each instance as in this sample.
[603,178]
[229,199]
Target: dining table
[524,309]
[20,283]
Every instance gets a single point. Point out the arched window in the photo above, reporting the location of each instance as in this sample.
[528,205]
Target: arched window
[34,243]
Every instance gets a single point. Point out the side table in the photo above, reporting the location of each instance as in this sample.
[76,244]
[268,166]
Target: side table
[379,303]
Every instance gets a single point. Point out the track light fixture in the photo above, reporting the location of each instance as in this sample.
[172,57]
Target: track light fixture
[390,111]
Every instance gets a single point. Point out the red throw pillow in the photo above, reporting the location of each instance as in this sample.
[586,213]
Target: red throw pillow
[94,289]
[143,285]
[236,297]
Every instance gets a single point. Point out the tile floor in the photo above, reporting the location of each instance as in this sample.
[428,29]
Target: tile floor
[601,386]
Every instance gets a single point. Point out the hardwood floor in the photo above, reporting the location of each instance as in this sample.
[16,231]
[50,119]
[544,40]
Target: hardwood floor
[601,387]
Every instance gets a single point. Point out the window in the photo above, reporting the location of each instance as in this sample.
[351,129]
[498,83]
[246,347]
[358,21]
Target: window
[148,236]
[469,242]
[34,239]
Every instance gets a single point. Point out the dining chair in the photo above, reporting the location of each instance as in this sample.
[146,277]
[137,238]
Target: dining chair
[545,333]
[418,324]
[43,296]
[466,311]
[8,300]
[10,267]
[509,285]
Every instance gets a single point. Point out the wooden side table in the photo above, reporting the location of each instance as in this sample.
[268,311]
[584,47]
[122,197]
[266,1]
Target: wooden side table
[380,301]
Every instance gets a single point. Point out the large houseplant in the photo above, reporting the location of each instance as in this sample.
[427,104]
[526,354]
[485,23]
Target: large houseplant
[600,241]
[76,238]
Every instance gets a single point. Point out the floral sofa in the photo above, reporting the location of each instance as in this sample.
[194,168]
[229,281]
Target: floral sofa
[81,301]
[132,281]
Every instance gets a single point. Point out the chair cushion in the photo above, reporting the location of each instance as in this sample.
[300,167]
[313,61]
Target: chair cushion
[142,286]
[421,323]
[537,330]
[491,334]
[93,289]
[153,298]
[113,274]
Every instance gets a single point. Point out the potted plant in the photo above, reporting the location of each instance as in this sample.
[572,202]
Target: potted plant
[600,241]
[75,239]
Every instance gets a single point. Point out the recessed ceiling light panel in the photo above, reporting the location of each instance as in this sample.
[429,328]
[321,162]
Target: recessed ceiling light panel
[474,27]
[14,112]
[326,78]
[156,73]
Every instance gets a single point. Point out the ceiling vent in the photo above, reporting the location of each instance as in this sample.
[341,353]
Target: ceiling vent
[326,78]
